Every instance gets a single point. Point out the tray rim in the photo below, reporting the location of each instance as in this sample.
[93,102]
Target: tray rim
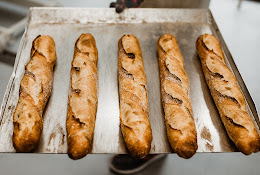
[210,20]
[23,41]
[231,61]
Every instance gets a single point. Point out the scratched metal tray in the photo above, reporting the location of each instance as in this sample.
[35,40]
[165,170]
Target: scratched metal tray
[66,24]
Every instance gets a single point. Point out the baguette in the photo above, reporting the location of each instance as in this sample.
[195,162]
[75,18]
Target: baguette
[181,130]
[227,95]
[82,104]
[134,114]
[35,89]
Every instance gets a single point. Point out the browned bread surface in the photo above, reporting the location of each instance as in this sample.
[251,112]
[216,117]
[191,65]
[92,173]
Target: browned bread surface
[134,114]
[35,89]
[175,89]
[227,95]
[82,105]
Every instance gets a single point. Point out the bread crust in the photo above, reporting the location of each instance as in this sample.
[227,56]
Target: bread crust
[82,104]
[134,114]
[227,95]
[35,89]
[175,89]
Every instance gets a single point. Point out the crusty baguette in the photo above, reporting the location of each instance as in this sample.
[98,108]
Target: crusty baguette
[134,114]
[175,88]
[227,95]
[35,89]
[82,105]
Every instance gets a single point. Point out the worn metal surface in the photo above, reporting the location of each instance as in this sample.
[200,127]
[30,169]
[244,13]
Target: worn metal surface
[66,24]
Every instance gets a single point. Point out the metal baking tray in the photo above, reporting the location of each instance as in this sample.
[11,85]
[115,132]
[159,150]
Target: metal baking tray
[66,24]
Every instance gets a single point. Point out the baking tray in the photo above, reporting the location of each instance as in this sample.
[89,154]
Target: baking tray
[66,24]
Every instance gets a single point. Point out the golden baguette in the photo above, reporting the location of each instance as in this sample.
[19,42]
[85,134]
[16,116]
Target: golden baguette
[227,95]
[175,89]
[134,114]
[82,105]
[35,89]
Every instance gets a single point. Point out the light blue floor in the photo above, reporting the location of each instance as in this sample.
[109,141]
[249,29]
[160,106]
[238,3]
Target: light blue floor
[200,164]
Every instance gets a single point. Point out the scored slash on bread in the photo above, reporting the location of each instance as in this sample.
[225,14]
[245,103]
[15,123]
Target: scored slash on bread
[227,95]
[175,89]
[134,114]
[82,104]
[35,89]
[36,86]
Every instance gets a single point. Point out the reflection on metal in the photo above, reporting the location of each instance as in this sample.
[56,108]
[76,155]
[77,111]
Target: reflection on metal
[66,24]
